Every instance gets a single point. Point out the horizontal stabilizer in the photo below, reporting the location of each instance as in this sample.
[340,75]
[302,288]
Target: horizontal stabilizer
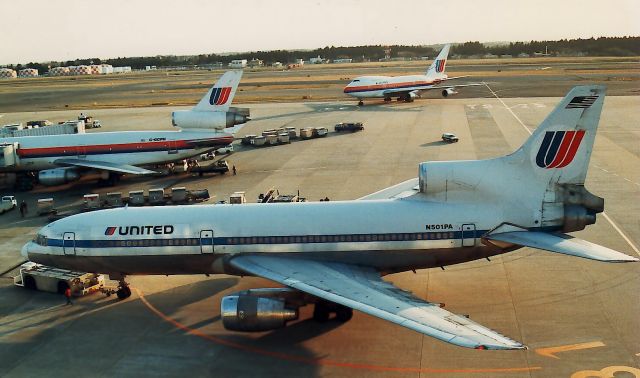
[561,243]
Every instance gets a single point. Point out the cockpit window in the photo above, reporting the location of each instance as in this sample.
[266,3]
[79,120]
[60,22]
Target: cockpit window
[41,240]
[355,81]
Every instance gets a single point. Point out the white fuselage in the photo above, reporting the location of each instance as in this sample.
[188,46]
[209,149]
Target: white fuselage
[389,86]
[137,148]
[392,235]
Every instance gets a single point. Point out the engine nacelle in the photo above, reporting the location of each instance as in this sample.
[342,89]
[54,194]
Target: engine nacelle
[57,176]
[412,95]
[191,119]
[250,313]
[449,92]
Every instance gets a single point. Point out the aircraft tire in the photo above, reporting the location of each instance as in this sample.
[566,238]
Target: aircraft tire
[123,292]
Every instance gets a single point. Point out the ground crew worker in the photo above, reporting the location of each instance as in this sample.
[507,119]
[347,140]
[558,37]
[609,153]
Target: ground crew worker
[235,172]
[23,208]
[67,294]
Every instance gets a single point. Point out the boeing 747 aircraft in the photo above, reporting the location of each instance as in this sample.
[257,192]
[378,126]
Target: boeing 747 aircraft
[406,88]
[333,254]
[59,159]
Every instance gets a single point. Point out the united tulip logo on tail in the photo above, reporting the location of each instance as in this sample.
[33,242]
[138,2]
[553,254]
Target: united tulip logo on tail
[219,96]
[440,65]
[558,148]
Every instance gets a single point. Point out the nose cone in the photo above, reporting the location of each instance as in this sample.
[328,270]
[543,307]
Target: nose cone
[25,250]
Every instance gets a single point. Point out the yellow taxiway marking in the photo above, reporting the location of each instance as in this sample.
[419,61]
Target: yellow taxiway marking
[551,351]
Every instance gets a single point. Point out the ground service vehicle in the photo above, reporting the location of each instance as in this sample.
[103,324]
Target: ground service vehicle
[7,203]
[54,280]
[349,126]
[449,138]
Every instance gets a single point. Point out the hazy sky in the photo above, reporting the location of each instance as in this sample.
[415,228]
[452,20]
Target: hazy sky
[42,30]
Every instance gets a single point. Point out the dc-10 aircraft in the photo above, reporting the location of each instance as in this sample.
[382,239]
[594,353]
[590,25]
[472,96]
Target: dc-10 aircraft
[59,159]
[408,87]
[333,254]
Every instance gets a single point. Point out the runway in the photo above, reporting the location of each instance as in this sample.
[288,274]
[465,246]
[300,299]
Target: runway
[578,317]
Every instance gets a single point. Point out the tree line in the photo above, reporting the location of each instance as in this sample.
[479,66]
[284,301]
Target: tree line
[604,46]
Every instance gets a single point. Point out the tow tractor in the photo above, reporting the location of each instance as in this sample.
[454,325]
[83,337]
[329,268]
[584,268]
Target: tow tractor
[45,278]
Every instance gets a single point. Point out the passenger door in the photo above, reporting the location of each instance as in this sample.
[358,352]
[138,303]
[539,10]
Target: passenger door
[206,241]
[69,243]
[468,235]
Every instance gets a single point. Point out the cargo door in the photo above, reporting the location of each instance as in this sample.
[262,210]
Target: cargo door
[69,243]
[468,235]
[206,241]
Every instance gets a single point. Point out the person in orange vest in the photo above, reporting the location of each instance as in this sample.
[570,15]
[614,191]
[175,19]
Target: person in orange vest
[67,294]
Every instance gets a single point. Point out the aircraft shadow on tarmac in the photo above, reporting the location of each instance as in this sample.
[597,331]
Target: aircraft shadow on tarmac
[38,327]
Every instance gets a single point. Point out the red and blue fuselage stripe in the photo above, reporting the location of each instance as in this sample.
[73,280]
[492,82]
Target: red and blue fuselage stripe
[378,87]
[120,148]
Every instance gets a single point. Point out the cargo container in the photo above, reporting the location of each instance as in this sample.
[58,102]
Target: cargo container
[91,201]
[258,141]
[284,138]
[114,199]
[237,198]
[45,206]
[179,194]
[156,196]
[136,198]
[306,133]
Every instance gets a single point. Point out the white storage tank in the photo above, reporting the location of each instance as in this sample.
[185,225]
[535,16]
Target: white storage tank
[28,72]
[59,71]
[7,73]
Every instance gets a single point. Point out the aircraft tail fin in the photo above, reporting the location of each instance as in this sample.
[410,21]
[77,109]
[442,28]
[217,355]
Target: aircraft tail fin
[545,176]
[437,67]
[220,96]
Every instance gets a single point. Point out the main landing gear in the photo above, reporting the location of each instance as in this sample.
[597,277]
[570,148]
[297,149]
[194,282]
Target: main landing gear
[124,291]
[360,103]
[323,310]
[387,99]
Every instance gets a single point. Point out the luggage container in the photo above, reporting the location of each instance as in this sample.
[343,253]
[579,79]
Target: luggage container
[156,196]
[259,141]
[237,198]
[136,198]
[271,140]
[292,132]
[114,199]
[283,138]
[179,194]
[91,201]
[306,133]
[45,206]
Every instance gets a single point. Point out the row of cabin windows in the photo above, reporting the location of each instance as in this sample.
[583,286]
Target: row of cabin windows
[340,238]
[42,240]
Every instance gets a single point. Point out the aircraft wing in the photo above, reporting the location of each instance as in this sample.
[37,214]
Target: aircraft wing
[401,190]
[105,166]
[561,243]
[362,289]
